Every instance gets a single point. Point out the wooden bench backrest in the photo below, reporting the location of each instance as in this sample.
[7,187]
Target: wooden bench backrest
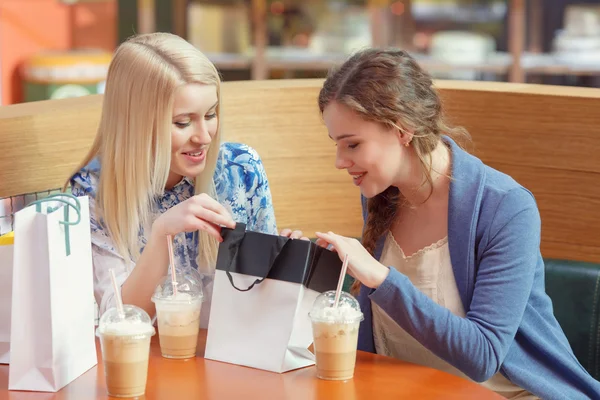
[547,138]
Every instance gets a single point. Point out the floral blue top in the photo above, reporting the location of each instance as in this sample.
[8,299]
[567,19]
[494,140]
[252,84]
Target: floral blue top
[241,187]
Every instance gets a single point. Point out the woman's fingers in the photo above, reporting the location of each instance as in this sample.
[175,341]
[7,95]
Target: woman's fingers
[293,234]
[322,243]
[329,237]
[212,217]
[195,223]
[211,229]
[335,242]
[208,203]
[286,232]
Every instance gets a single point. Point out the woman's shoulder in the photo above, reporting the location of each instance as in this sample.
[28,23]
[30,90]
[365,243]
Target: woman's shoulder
[503,189]
[506,206]
[496,186]
[238,154]
[239,168]
[236,160]
[85,181]
[496,197]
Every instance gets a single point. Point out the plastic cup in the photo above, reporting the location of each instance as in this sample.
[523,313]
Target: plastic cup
[178,315]
[335,335]
[125,344]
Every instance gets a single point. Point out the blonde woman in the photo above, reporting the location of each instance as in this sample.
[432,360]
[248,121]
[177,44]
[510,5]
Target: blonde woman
[157,168]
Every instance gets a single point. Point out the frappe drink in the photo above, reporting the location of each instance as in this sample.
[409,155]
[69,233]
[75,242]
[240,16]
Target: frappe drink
[178,316]
[125,344]
[335,335]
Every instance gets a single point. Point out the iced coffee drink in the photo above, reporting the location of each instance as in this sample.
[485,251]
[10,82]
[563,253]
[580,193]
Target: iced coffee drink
[335,335]
[178,316]
[125,344]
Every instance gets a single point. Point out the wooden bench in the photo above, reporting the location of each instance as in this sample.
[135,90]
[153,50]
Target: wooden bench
[547,138]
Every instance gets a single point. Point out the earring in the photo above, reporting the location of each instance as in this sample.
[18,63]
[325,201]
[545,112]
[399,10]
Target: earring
[406,144]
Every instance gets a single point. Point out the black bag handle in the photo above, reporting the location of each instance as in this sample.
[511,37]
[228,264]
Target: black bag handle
[237,243]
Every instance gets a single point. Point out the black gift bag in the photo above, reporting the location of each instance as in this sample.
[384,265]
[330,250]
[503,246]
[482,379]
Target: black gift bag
[277,257]
[263,289]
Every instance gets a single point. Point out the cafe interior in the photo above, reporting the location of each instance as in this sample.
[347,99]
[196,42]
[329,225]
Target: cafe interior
[519,77]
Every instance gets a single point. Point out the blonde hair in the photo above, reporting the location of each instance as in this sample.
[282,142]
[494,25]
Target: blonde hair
[133,142]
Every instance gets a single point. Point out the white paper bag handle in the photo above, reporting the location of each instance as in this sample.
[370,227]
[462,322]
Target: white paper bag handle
[58,197]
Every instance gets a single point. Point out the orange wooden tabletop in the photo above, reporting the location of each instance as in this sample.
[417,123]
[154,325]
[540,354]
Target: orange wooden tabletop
[375,377]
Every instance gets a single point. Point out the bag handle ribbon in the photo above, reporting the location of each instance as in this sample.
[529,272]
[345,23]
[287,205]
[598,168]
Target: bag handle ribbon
[60,197]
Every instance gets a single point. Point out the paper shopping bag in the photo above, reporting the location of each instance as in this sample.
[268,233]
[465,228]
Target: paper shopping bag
[263,289]
[52,330]
[6,268]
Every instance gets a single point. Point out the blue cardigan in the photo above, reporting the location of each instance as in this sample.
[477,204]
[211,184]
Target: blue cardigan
[494,240]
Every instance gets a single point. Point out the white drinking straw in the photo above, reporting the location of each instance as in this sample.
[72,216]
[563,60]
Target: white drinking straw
[338,291]
[120,308]
[172,262]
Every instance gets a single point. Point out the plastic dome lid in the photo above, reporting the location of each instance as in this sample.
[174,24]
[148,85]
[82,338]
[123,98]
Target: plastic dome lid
[134,322]
[189,289]
[347,311]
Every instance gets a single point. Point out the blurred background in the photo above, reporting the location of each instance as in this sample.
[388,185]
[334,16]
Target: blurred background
[62,48]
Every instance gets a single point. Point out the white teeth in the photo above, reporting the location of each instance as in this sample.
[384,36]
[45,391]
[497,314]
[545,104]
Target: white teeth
[194,154]
[357,176]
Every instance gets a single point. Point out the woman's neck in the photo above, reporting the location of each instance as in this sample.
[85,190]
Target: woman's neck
[416,189]
[173,180]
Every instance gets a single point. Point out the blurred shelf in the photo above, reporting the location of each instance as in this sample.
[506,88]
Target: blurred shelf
[473,13]
[288,59]
[516,64]
[501,63]
[564,70]
[231,61]
[301,59]
[498,63]
[558,64]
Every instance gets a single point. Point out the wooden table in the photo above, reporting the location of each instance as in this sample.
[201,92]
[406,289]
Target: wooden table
[375,377]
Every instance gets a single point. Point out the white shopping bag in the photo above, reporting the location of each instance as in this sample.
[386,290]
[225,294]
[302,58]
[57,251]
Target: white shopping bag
[6,268]
[52,329]
[263,289]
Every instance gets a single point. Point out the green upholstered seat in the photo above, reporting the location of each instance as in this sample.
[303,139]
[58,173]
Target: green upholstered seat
[574,288]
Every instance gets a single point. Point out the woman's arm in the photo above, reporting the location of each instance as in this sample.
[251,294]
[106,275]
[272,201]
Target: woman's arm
[478,343]
[139,281]
[150,269]
[200,212]
[136,286]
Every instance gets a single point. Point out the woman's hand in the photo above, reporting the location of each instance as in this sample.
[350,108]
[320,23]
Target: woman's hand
[200,212]
[361,265]
[293,234]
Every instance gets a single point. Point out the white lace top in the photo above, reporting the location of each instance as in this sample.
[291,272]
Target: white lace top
[430,270]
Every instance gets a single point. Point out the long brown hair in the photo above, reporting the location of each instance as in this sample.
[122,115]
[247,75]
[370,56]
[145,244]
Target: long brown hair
[389,87]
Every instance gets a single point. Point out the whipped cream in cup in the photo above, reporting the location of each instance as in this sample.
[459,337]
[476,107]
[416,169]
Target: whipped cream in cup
[335,335]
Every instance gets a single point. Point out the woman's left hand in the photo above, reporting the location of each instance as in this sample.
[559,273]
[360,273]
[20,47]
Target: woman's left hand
[361,264]
[293,234]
